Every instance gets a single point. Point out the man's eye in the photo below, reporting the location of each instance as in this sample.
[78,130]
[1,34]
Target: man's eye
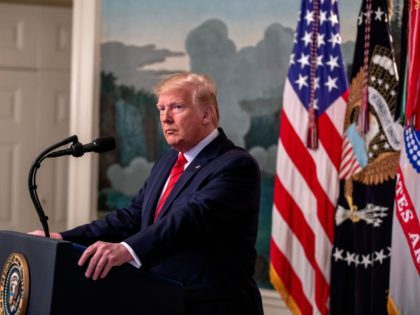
[173,108]
[178,108]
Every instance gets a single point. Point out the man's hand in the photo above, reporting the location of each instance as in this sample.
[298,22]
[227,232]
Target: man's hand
[103,256]
[54,235]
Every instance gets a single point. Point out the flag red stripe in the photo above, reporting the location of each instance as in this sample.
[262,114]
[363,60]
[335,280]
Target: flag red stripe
[330,139]
[306,166]
[345,95]
[346,149]
[292,214]
[346,164]
[295,219]
[355,166]
[349,167]
[291,281]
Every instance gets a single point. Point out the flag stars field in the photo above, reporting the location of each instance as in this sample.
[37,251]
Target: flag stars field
[335,39]
[378,14]
[319,61]
[367,15]
[321,40]
[338,254]
[350,258]
[322,17]
[333,19]
[331,83]
[304,60]
[292,59]
[366,261]
[316,83]
[309,18]
[307,38]
[360,19]
[302,81]
[379,256]
[333,62]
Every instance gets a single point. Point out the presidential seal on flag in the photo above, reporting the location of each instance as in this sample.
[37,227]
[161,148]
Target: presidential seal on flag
[368,170]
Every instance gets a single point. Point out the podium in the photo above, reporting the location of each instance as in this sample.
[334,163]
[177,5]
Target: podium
[57,285]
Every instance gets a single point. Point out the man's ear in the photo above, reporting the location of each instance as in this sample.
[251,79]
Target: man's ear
[207,115]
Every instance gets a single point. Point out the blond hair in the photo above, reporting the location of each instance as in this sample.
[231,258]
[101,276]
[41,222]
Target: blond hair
[202,87]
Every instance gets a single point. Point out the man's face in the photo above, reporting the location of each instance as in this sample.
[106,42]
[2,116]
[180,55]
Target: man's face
[184,124]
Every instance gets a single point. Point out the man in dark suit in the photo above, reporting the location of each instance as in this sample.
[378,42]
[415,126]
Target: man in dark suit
[195,219]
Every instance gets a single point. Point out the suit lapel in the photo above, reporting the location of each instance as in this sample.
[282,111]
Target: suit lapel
[211,151]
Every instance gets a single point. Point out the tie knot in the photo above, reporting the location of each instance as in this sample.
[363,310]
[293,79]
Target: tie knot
[181,161]
[178,167]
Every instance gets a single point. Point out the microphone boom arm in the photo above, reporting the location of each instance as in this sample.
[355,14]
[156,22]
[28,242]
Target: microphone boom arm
[32,180]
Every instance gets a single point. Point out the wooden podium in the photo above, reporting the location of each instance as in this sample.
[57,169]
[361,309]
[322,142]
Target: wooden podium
[55,284]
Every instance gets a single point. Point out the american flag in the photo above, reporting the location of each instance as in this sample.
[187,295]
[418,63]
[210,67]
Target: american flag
[404,281]
[306,183]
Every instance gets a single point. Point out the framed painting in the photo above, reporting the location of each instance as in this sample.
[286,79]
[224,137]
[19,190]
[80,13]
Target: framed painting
[244,45]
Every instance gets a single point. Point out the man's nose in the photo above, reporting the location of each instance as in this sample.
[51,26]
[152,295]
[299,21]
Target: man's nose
[166,115]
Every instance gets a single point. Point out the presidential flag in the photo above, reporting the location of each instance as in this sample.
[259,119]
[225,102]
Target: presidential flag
[363,219]
[404,288]
[308,159]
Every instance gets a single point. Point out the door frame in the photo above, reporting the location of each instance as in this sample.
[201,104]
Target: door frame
[84,109]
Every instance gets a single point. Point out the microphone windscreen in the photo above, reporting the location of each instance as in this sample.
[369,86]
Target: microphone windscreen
[104,144]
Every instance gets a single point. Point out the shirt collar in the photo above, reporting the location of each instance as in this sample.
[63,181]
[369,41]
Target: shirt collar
[191,154]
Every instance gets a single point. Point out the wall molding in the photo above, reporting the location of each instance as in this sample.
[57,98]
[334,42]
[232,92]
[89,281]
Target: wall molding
[84,110]
[273,303]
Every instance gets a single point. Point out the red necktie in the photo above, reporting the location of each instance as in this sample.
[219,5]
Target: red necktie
[176,173]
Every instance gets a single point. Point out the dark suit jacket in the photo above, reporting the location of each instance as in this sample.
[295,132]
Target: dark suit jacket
[204,236]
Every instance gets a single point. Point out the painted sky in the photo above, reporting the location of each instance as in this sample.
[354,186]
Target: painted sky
[167,23]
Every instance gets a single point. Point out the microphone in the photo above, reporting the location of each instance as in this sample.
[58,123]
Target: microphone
[77,149]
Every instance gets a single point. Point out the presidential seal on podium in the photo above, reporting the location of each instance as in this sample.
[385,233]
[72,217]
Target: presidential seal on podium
[14,285]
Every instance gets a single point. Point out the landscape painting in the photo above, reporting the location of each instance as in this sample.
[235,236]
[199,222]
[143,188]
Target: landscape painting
[243,45]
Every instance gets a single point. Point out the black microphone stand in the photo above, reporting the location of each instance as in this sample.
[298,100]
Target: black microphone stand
[32,180]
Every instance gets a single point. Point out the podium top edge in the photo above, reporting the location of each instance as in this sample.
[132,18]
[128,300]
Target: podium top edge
[20,235]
